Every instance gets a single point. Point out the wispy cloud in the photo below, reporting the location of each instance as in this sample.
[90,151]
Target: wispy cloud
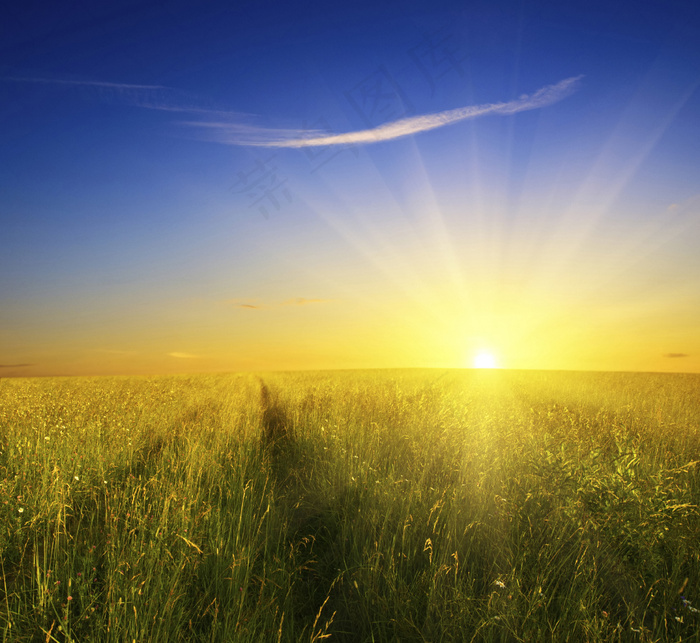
[15,365]
[111,351]
[184,355]
[156,97]
[248,306]
[673,355]
[89,83]
[132,94]
[230,128]
[242,134]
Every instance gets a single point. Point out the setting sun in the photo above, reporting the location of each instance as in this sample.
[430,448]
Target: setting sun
[377,212]
[485,360]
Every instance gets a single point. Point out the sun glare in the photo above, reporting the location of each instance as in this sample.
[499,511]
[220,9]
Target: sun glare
[484,360]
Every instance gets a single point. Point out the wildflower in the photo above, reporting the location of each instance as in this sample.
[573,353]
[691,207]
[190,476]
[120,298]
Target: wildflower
[500,584]
[70,598]
[21,510]
[76,478]
[686,604]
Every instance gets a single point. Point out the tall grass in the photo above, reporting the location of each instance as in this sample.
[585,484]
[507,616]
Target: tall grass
[351,506]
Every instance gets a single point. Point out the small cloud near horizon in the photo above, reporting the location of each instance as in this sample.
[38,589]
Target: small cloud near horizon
[302,301]
[15,365]
[673,355]
[295,301]
[184,355]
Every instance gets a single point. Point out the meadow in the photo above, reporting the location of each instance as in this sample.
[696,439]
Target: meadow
[414,505]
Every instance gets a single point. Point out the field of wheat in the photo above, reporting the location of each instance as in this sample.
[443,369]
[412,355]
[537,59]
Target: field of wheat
[416,505]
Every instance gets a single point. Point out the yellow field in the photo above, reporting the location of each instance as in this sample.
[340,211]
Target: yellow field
[421,505]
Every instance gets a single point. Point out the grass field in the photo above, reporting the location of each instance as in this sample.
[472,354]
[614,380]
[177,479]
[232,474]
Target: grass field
[351,506]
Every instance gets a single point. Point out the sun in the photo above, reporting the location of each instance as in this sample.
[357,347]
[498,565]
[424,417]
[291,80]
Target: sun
[485,360]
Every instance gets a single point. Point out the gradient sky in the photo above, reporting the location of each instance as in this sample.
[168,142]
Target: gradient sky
[233,186]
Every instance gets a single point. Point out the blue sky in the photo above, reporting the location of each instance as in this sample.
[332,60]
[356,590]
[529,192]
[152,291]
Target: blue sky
[254,186]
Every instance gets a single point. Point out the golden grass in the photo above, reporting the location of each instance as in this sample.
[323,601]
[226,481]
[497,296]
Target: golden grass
[354,506]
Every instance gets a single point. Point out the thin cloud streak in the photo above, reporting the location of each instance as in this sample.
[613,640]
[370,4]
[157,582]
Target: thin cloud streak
[296,301]
[245,135]
[302,301]
[89,83]
[156,97]
[250,135]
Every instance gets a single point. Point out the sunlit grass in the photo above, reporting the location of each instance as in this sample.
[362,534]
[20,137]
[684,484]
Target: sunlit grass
[407,505]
